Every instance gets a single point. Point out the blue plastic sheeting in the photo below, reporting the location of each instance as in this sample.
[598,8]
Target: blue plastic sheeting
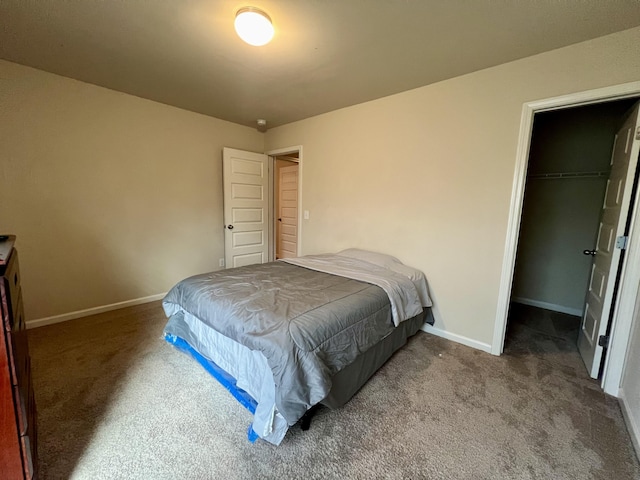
[226,380]
[252,435]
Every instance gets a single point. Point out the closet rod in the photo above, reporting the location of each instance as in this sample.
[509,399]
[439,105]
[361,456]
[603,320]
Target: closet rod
[551,176]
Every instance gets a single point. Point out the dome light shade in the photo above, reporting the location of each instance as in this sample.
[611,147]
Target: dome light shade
[254,26]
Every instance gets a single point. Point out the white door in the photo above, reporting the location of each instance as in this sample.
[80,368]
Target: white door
[617,202]
[287,234]
[246,207]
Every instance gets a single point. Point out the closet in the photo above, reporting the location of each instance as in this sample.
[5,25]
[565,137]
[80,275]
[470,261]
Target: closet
[567,175]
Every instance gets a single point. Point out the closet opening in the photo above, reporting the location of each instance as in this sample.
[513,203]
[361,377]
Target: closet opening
[558,291]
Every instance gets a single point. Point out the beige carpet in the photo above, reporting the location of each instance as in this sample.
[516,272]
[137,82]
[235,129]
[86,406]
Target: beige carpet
[116,402]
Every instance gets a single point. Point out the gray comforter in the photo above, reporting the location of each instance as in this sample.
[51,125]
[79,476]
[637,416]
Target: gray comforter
[308,324]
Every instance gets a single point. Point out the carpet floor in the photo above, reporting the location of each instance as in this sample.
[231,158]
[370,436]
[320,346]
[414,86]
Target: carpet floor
[117,402]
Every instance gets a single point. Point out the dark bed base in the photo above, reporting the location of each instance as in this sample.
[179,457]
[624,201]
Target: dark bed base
[350,379]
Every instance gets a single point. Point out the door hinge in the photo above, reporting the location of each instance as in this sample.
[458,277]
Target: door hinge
[621,242]
[603,341]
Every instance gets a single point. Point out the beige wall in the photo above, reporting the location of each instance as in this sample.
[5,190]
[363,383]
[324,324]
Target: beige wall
[426,175]
[112,197]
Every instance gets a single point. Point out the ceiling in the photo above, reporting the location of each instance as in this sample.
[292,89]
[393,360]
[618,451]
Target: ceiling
[326,54]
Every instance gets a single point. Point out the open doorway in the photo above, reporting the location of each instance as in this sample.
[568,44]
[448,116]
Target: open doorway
[285,167]
[285,181]
[563,227]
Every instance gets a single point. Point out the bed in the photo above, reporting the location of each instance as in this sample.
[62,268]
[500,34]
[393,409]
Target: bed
[286,336]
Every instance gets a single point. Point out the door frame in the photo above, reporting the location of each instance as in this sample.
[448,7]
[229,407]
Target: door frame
[272,172]
[630,274]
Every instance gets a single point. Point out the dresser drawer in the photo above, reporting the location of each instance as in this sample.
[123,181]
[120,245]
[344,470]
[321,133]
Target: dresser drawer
[6,319]
[31,438]
[21,410]
[17,346]
[27,457]
[23,398]
[24,401]
[10,290]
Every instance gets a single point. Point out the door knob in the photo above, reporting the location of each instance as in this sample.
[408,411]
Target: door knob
[279,219]
[230,227]
[589,252]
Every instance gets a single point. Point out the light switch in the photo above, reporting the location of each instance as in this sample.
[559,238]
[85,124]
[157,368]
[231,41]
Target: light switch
[306,214]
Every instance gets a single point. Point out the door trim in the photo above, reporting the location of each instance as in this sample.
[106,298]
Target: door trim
[621,326]
[272,171]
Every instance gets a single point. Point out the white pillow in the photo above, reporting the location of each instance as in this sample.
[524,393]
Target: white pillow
[392,263]
[379,259]
[383,260]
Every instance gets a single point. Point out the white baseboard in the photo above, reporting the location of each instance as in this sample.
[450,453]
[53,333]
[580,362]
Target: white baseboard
[485,347]
[631,421]
[548,306]
[41,322]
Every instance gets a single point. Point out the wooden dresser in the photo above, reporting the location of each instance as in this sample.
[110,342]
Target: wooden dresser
[18,437]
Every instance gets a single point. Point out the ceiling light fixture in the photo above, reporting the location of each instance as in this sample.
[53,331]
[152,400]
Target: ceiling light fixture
[254,26]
